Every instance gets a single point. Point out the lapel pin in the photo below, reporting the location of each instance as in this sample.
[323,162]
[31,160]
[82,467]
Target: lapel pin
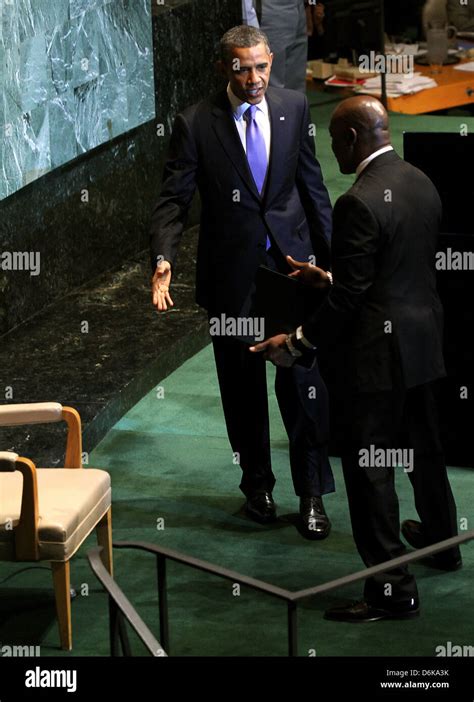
[282,119]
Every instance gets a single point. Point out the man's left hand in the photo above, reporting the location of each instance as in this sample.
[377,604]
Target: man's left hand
[275,350]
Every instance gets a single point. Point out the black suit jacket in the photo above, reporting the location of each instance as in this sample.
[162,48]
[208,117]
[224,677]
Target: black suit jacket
[383,312]
[295,211]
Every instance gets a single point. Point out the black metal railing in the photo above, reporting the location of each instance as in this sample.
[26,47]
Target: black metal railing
[291,598]
[120,609]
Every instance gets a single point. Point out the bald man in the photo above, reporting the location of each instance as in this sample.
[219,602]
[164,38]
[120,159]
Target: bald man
[381,325]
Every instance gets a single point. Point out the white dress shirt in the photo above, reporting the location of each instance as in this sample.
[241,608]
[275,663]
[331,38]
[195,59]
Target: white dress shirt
[363,164]
[262,118]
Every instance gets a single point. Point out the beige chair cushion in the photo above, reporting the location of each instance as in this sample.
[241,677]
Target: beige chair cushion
[70,501]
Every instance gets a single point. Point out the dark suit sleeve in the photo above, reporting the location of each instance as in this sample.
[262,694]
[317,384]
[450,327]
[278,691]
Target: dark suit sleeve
[313,193]
[179,186]
[356,240]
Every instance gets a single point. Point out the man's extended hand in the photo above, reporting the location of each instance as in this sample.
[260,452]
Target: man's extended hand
[308,274]
[275,350]
[160,286]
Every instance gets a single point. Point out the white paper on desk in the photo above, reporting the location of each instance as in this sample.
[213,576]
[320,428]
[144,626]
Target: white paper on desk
[465,66]
[377,92]
[399,84]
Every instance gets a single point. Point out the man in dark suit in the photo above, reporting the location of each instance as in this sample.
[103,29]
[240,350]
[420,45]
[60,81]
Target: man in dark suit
[382,323]
[250,151]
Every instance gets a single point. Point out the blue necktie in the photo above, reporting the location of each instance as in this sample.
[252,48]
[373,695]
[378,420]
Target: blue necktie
[256,152]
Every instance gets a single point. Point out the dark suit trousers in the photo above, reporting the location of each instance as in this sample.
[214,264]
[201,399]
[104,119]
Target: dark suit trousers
[394,419]
[243,386]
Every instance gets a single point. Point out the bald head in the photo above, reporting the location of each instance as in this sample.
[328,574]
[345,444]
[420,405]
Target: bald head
[359,126]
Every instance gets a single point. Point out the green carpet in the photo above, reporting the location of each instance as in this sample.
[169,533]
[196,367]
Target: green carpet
[171,466]
[169,460]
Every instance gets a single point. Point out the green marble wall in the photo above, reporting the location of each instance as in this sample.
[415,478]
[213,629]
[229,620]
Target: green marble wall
[73,74]
[92,213]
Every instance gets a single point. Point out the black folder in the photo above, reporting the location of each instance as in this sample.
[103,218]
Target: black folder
[282,303]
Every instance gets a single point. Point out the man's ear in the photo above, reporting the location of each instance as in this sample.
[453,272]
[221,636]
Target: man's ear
[351,137]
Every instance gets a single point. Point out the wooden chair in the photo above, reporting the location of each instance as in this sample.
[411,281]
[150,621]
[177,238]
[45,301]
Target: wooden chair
[47,513]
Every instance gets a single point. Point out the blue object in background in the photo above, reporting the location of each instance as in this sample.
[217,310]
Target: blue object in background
[73,74]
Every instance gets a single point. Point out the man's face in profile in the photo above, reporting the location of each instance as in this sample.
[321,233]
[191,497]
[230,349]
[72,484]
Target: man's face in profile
[248,72]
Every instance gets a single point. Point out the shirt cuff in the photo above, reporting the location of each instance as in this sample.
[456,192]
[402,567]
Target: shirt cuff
[301,338]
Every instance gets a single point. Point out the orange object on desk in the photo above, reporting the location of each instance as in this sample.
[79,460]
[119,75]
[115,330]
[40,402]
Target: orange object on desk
[454,88]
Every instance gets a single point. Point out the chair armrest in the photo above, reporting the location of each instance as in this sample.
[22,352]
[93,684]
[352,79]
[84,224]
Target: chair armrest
[74,438]
[30,413]
[8,461]
[45,412]
[26,533]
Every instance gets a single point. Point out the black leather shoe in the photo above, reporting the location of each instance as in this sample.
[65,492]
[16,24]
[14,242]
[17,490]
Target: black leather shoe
[364,612]
[260,507]
[449,560]
[315,522]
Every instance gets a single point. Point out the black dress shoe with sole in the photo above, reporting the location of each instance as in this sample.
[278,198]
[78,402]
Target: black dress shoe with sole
[363,612]
[314,520]
[260,507]
[449,560]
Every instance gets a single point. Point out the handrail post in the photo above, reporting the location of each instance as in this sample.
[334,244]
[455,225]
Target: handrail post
[292,628]
[113,627]
[122,630]
[163,602]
